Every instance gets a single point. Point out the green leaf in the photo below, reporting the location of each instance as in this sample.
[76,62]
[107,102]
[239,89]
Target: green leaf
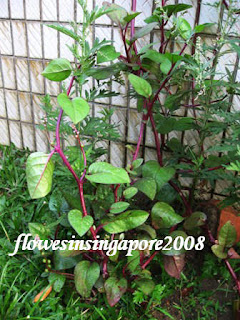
[147,186]
[144,31]
[116,13]
[227,235]
[140,85]
[173,102]
[137,163]
[57,70]
[79,223]
[57,281]
[175,8]
[196,219]
[148,229]
[145,285]
[101,73]
[56,201]
[167,194]
[165,63]
[70,253]
[154,56]
[131,16]
[218,250]
[62,262]
[235,48]
[184,28]
[133,261]
[77,109]
[38,229]
[85,276]
[107,53]
[165,66]
[184,124]
[125,221]
[39,171]
[103,172]
[119,207]
[201,27]
[162,175]
[165,125]
[115,288]
[164,216]
[173,252]
[130,192]
[64,30]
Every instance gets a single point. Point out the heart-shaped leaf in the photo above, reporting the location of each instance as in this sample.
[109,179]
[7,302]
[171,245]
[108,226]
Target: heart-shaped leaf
[85,276]
[57,70]
[119,207]
[77,109]
[103,172]
[115,288]
[39,171]
[79,223]
[125,221]
[164,216]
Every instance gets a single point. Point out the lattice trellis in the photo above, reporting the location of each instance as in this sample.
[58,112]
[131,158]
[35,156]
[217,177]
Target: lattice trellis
[27,45]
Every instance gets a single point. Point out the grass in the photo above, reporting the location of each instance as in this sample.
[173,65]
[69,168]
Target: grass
[22,276]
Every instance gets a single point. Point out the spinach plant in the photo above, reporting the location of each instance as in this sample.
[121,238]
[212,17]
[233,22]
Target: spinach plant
[178,93]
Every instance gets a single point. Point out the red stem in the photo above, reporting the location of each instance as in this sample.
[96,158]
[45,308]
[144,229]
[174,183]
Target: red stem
[149,260]
[226,4]
[143,124]
[159,154]
[162,32]
[233,274]
[124,43]
[65,161]
[134,7]
[185,202]
[61,112]
[115,193]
